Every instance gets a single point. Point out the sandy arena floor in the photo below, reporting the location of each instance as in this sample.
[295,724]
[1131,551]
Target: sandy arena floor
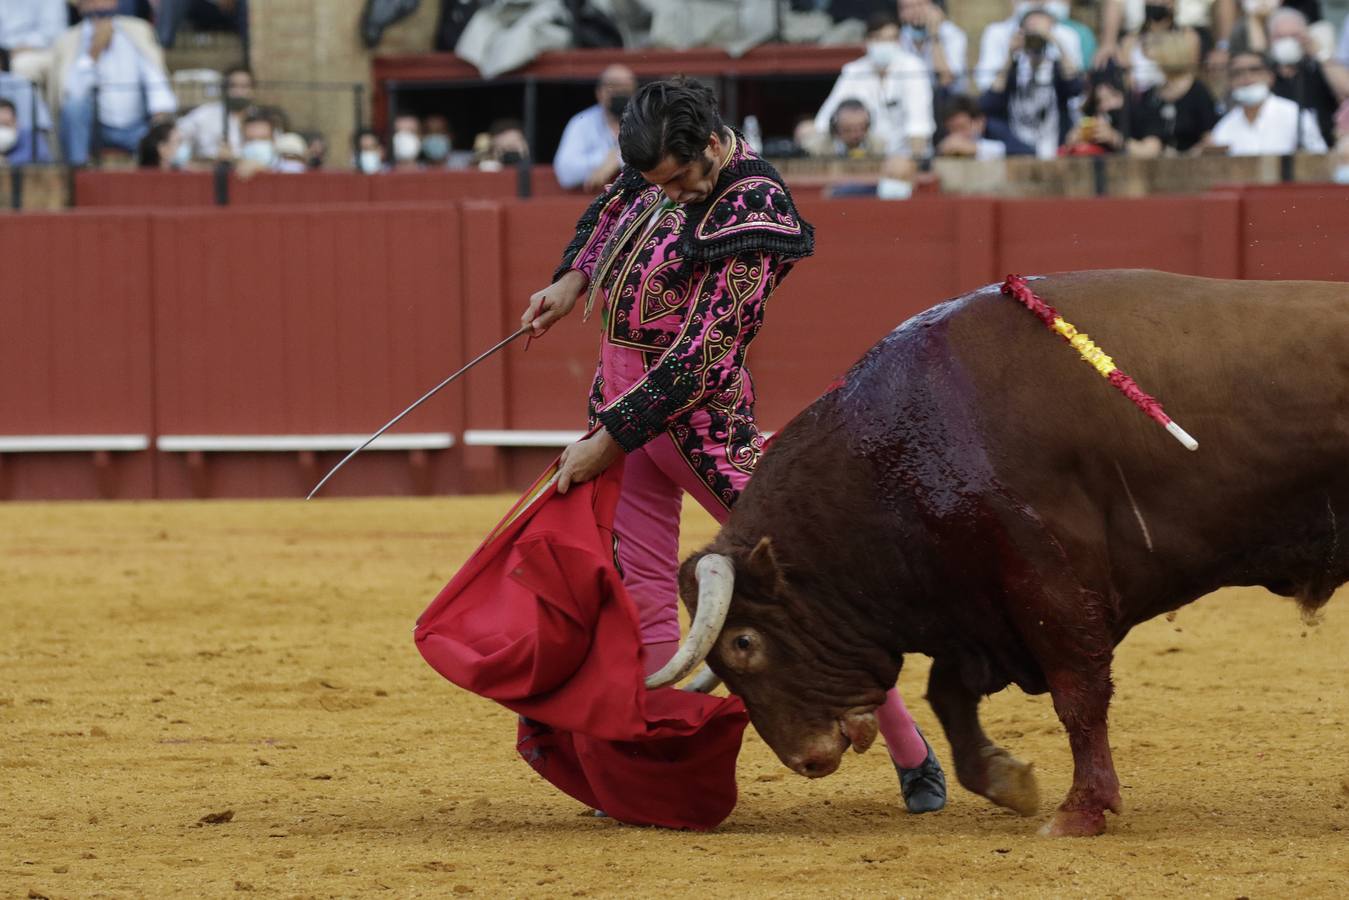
[166,663]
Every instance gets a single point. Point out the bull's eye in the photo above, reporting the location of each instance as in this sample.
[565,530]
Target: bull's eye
[743,642]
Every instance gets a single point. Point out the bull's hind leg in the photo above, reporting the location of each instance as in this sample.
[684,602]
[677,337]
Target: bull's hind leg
[981,766]
[1082,699]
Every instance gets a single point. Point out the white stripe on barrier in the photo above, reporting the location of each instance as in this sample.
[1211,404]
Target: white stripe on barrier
[520,438]
[73,443]
[283,443]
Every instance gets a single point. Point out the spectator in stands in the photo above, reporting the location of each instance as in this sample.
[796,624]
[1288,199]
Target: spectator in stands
[1177,115]
[1260,123]
[893,85]
[1159,21]
[849,134]
[205,130]
[28,29]
[1212,21]
[438,144]
[1038,80]
[117,59]
[406,143]
[1252,28]
[163,148]
[369,152]
[291,152]
[587,156]
[19,145]
[965,133]
[931,36]
[504,145]
[1298,75]
[203,15]
[996,43]
[258,153]
[1106,116]
[33,118]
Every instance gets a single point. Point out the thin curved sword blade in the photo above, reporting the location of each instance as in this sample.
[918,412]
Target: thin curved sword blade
[424,397]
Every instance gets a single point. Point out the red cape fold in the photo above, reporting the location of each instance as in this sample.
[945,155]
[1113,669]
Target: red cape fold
[538,620]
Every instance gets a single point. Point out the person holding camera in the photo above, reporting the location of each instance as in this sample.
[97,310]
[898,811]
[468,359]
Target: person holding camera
[1032,92]
[929,34]
[999,40]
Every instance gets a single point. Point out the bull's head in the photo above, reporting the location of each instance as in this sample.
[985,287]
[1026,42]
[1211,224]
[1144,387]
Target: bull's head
[809,692]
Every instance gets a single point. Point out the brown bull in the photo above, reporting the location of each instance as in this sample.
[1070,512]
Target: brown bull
[974,492]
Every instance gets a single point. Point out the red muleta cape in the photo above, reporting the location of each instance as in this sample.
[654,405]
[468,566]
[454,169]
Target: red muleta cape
[538,620]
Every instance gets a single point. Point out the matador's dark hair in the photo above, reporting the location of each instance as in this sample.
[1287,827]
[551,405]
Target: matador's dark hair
[668,118]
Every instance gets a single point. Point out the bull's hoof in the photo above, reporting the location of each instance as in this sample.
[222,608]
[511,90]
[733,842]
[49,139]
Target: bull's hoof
[1075,823]
[1011,783]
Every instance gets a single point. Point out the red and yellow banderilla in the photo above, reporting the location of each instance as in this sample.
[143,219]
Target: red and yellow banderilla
[1016,287]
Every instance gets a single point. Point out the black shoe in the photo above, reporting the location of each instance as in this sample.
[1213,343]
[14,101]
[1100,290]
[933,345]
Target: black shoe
[924,788]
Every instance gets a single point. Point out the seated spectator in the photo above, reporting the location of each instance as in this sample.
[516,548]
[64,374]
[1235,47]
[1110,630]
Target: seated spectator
[1032,93]
[587,156]
[1211,20]
[18,145]
[30,109]
[1260,123]
[406,143]
[931,36]
[965,133]
[369,152]
[203,15]
[205,128]
[28,29]
[849,134]
[1159,20]
[1251,31]
[893,85]
[292,154]
[1177,115]
[503,145]
[995,44]
[1106,116]
[163,148]
[117,58]
[1298,75]
[438,144]
[258,153]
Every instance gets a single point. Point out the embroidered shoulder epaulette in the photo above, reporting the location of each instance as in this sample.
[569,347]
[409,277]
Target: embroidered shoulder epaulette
[750,209]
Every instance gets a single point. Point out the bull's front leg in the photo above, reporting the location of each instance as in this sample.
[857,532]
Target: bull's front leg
[1082,700]
[982,767]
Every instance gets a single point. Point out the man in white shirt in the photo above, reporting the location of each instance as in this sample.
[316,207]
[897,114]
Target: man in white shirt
[927,33]
[894,86]
[1259,123]
[28,28]
[132,85]
[588,157]
[995,44]
[204,129]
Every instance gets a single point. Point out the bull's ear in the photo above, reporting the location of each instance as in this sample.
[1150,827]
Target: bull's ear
[762,564]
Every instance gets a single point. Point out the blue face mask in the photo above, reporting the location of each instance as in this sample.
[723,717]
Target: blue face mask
[436,147]
[263,152]
[183,155]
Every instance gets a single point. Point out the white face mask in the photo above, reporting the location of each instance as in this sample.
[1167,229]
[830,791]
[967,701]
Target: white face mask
[406,146]
[881,53]
[1059,10]
[1287,51]
[263,152]
[1341,175]
[1251,94]
[370,162]
[893,189]
[1252,7]
[9,136]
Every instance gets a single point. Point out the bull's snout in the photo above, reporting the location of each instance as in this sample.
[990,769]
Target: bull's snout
[815,764]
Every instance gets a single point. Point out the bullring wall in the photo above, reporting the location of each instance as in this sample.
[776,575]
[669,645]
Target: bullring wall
[317,319]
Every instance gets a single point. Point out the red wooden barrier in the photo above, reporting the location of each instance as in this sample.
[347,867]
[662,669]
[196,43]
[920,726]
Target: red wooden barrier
[442,186]
[270,189]
[315,321]
[142,189]
[1297,233]
[75,322]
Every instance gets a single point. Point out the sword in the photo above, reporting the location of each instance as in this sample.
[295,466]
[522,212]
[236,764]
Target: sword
[424,397]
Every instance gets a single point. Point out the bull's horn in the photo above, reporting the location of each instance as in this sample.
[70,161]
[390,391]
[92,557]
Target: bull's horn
[705,682]
[716,582]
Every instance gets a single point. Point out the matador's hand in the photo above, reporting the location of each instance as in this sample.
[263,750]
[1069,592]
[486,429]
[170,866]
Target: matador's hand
[552,303]
[586,459]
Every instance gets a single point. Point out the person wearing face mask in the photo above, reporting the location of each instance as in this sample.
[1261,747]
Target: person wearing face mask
[19,146]
[406,143]
[587,156]
[995,44]
[680,256]
[894,86]
[504,146]
[369,152]
[214,130]
[928,33]
[1298,75]
[1033,93]
[1259,123]
[258,153]
[438,144]
[163,148]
